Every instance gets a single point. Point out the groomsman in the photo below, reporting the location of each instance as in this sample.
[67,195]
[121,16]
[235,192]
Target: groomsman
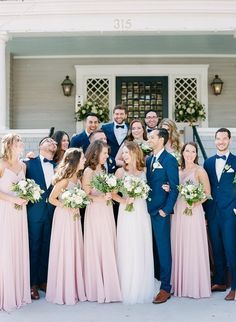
[81,140]
[221,212]
[162,168]
[116,132]
[151,120]
[40,214]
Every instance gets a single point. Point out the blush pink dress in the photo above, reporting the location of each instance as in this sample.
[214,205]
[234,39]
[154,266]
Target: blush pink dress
[66,270]
[14,250]
[101,273]
[190,258]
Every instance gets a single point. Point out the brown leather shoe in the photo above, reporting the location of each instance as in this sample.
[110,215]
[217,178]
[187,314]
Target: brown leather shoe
[43,287]
[230,296]
[218,288]
[161,297]
[34,293]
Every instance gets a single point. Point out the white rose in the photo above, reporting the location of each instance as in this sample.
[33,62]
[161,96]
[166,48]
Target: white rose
[138,190]
[111,182]
[22,184]
[78,200]
[36,195]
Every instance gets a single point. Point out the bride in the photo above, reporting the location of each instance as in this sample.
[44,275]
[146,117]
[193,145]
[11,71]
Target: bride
[134,235]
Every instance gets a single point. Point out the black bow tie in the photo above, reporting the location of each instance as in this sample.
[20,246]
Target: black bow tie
[120,126]
[149,130]
[223,157]
[50,161]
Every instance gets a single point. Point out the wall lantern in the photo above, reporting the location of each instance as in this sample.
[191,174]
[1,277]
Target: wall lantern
[217,85]
[67,86]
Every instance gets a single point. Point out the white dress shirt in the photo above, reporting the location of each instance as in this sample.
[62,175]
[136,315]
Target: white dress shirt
[220,164]
[120,133]
[48,171]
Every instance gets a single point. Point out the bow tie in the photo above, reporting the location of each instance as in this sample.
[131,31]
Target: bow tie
[149,130]
[223,157]
[120,126]
[50,161]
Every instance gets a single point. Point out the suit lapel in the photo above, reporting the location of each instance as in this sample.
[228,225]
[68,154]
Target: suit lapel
[229,162]
[112,133]
[41,173]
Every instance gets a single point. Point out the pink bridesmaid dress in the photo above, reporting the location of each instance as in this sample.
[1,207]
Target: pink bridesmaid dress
[190,258]
[65,283]
[14,250]
[101,273]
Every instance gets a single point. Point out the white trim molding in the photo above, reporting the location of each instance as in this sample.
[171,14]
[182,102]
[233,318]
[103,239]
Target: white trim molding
[200,72]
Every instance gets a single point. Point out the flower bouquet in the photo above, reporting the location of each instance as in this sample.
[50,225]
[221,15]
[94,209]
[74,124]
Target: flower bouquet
[192,193]
[97,108]
[105,183]
[75,198]
[145,148]
[134,187]
[27,189]
[190,111]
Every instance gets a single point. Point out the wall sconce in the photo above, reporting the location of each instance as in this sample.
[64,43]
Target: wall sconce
[217,85]
[67,86]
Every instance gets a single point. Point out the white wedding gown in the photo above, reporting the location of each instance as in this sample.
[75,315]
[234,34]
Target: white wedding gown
[135,255]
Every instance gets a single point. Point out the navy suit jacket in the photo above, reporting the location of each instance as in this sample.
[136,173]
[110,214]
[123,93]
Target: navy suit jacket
[42,210]
[224,191]
[108,129]
[167,173]
[111,165]
[80,140]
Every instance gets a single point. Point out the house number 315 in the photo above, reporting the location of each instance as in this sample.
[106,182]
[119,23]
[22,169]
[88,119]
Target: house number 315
[122,24]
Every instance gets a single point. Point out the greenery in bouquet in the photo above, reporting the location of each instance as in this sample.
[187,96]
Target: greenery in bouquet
[192,193]
[190,111]
[93,107]
[75,198]
[105,183]
[134,187]
[27,189]
[145,148]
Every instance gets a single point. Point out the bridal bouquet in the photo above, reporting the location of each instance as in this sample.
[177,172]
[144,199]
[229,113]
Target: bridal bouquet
[75,198]
[105,183]
[192,193]
[134,187]
[27,189]
[145,148]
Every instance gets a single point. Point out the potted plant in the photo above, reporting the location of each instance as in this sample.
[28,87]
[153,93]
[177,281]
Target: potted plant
[95,107]
[190,111]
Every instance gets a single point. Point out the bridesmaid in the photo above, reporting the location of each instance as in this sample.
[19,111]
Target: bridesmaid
[136,133]
[65,271]
[101,273]
[14,250]
[190,258]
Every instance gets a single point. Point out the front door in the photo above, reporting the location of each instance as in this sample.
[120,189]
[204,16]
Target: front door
[141,94]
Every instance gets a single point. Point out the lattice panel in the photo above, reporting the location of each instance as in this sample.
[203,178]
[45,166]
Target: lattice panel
[98,90]
[185,89]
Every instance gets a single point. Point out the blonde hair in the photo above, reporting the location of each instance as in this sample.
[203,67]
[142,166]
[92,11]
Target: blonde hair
[174,136]
[135,149]
[7,143]
[68,165]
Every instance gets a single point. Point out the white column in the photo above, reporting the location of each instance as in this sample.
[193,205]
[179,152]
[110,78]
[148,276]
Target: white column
[3,96]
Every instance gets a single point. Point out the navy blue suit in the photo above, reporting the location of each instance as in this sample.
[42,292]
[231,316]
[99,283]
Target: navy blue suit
[222,220]
[160,199]
[111,165]
[40,215]
[108,129]
[80,140]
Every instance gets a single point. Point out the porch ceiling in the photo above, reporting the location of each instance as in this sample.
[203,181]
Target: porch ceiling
[217,44]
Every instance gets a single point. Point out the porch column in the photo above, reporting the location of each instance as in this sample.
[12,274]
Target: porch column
[3,96]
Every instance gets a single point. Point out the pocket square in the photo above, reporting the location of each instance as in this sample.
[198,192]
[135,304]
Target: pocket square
[234,211]
[157,165]
[230,170]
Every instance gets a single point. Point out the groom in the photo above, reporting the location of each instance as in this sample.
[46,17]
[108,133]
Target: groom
[162,168]
[221,212]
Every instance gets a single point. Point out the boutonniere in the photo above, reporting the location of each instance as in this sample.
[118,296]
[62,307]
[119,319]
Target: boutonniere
[156,165]
[227,167]
[110,160]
